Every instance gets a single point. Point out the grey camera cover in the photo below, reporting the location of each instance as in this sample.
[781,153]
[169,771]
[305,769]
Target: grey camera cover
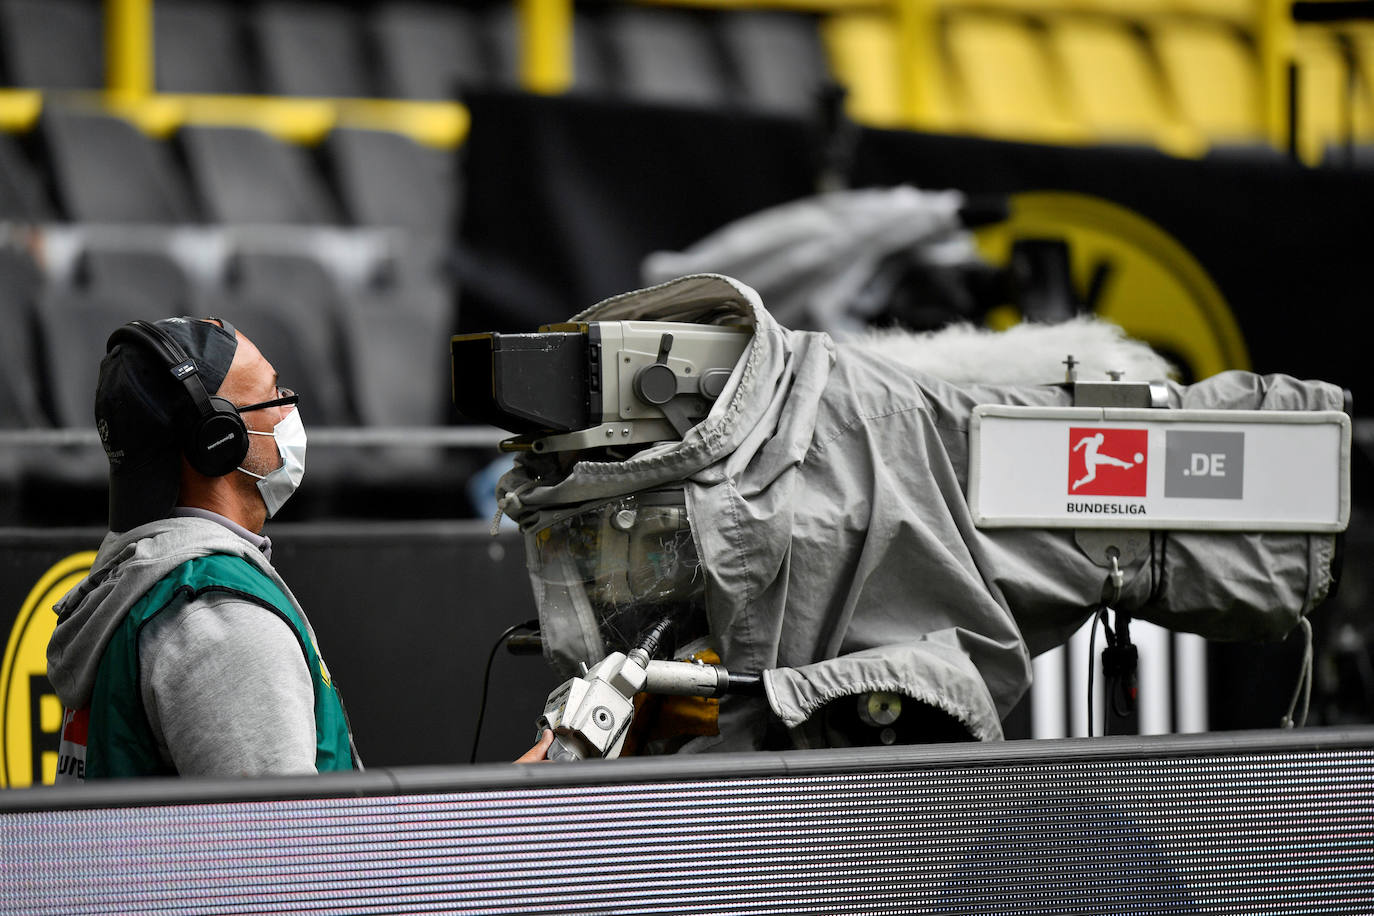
[827,494]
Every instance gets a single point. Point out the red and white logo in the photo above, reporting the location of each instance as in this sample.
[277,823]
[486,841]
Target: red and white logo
[1107,462]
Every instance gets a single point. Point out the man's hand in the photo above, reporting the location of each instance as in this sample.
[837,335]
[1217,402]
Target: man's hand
[538,753]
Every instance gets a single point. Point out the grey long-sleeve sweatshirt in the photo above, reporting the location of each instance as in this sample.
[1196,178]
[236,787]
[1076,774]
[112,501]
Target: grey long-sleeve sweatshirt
[224,682]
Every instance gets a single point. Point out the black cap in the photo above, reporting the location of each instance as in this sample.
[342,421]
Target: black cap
[143,413]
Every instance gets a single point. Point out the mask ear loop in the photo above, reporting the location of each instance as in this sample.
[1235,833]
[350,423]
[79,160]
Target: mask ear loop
[255,432]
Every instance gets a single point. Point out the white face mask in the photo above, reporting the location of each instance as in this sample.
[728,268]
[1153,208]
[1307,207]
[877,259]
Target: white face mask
[277,486]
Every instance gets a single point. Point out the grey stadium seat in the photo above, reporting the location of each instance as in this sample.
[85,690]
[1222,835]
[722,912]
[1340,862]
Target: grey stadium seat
[290,305]
[388,179]
[590,56]
[53,44]
[105,170]
[244,175]
[397,336]
[202,46]
[428,50]
[74,325]
[149,278]
[20,393]
[312,49]
[23,197]
[70,480]
[777,56]
[666,55]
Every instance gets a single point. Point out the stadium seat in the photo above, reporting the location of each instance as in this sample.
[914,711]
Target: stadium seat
[74,325]
[397,348]
[20,285]
[864,54]
[23,197]
[53,44]
[1360,39]
[500,29]
[396,325]
[398,353]
[428,50]
[245,175]
[201,46]
[1213,72]
[591,67]
[1111,81]
[312,49]
[290,304]
[666,55]
[149,279]
[69,482]
[1244,13]
[388,179]
[591,58]
[1005,76]
[777,56]
[1326,106]
[105,170]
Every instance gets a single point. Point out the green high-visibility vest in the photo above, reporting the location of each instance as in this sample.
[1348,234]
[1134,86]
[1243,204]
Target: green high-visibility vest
[120,741]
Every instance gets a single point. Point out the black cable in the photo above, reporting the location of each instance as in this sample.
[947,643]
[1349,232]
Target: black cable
[648,642]
[486,680]
[1123,665]
[1099,616]
[1119,661]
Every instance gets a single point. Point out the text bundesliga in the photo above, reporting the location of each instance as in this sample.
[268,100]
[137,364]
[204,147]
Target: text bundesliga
[1106,508]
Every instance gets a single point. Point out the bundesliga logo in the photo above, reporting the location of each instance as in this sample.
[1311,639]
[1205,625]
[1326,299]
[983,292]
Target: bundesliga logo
[1107,462]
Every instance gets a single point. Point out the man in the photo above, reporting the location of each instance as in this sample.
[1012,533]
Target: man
[183,652]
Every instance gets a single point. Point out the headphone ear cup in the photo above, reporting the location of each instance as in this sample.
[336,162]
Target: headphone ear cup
[219,441]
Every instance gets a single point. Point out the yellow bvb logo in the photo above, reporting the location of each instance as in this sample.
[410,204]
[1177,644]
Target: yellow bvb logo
[30,713]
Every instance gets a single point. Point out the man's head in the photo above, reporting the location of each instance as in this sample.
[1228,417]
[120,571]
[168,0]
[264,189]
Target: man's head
[170,409]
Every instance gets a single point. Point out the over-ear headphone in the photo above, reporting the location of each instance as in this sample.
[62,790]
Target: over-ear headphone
[217,440]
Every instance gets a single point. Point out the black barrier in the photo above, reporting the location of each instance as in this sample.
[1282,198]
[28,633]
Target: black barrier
[1273,822]
[405,615]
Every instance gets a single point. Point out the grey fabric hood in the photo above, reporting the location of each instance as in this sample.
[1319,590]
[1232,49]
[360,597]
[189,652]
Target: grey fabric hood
[126,566]
[826,490]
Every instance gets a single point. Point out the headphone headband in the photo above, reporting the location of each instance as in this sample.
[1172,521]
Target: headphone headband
[180,365]
[217,441]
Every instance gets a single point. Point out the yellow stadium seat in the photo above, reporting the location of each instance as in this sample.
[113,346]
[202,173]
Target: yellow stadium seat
[1323,92]
[1004,78]
[1214,74]
[1361,40]
[1244,12]
[1033,7]
[863,53]
[1123,10]
[1113,85]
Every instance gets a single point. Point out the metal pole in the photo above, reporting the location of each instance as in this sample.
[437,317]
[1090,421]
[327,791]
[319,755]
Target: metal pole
[546,45]
[129,47]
